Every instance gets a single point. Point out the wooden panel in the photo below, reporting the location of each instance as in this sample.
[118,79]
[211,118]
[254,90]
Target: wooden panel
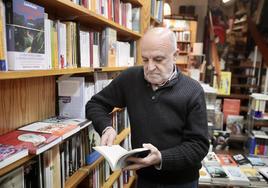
[38,73]
[113,177]
[25,100]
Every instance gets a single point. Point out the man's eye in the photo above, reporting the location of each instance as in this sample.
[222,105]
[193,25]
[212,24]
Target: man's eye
[145,60]
[158,60]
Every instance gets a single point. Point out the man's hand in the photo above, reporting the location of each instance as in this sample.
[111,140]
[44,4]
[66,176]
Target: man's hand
[108,137]
[154,158]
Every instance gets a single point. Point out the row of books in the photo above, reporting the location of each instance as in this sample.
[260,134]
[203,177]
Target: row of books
[258,142]
[157,9]
[41,43]
[62,145]
[234,170]
[37,137]
[118,11]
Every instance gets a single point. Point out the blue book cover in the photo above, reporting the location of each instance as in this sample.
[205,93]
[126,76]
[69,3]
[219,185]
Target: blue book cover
[25,14]
[25,27]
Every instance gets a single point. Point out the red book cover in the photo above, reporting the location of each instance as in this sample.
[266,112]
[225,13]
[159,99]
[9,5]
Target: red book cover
[116,10]
[36,143]
[226,160]
[230,107]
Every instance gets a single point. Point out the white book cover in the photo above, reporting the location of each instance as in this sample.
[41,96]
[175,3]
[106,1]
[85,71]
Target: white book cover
[263,171]
[211,159]
[204,176]
[71,97]
[129,15]
[62,45]
[84,49]
[116,155]
[48,43]
[236,176]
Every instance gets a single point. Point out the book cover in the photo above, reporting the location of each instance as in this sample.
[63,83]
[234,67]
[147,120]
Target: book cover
[3,47]
[13,179]
[25,35]
[116,155]
[230,107]
[217,173]
[36,143]
[236,176]
[10,154]
[241,160]
[81,122]
[204,175]
[63,130]
[226,160]
[254,176]
[256,161]
[211,159]
[235,124]
[225,83]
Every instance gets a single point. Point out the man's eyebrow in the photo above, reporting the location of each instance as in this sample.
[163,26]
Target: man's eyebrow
[159,56]
[144,57]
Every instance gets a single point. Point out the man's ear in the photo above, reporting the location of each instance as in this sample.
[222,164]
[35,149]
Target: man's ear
[175,55]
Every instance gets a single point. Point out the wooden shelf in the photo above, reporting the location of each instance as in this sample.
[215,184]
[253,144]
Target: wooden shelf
[130,182]
[235,96]
[109,69]
[40,73]
[244,86]
[113,177]
[86,17]
[15,164]
[79,175]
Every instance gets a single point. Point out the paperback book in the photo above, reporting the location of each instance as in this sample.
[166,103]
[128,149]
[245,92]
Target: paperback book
[25,35]
[63,130]
[10,154]
[36,143]
[116,155]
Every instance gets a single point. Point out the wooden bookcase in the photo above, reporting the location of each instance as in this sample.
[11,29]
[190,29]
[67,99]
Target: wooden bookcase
[29,96]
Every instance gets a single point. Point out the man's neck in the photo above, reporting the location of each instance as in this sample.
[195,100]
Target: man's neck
[171,76]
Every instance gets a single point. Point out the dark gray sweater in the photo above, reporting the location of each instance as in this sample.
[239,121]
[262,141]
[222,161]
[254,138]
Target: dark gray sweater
[173,118]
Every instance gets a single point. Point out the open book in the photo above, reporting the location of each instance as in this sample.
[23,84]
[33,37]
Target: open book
[116,155]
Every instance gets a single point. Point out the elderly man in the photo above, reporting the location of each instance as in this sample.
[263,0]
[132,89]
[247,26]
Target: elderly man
[167,114]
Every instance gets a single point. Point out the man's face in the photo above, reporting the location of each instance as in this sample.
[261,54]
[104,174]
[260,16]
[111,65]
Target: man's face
[158,59]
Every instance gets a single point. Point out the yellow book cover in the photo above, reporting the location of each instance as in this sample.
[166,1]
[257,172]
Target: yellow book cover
[225,83]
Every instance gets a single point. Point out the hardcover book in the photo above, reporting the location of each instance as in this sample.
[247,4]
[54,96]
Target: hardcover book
[204,176]
[218,175]
[211,159]
[241,160]
[63,130]
[254,176]
[36,143]
[116,155]
[25,35]
[10,154]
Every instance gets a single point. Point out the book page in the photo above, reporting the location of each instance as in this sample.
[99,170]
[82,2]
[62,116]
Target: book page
[111,153]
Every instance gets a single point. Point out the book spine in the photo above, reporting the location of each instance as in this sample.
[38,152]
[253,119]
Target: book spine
[9,12]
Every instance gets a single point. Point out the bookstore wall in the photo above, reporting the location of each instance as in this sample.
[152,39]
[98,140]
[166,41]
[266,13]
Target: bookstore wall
[56,54]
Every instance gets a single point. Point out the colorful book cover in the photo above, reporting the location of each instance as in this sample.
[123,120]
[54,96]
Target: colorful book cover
[36,143]
[10,154]
[63,130]
[241,160]
[226,160]
[235,124]
[230,107]
[25,35]
[225,83]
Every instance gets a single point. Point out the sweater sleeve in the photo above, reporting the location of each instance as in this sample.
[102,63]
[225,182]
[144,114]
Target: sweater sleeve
[195,142]
[98,108]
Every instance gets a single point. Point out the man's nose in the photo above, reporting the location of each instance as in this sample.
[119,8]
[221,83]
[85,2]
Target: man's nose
[151,65]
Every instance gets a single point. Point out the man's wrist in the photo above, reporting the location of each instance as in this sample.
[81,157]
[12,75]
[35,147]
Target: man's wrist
[109,127]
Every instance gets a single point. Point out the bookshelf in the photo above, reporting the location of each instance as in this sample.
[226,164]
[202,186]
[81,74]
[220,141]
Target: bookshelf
[30,96]
[78,176]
